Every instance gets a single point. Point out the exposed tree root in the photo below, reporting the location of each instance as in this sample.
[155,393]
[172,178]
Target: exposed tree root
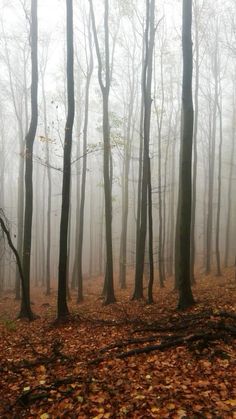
[41,358]
[43,391]
[193,328]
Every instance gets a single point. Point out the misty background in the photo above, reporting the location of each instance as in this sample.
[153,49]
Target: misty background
[214,48]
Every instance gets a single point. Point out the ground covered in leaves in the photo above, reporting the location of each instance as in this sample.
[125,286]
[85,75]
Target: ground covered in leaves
[128,360]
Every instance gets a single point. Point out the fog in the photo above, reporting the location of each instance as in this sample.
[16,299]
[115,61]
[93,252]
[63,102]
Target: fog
[214,100]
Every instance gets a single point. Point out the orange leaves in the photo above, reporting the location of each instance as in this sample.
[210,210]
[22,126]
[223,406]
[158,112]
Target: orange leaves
[176,383]
[171,406]
[231,402]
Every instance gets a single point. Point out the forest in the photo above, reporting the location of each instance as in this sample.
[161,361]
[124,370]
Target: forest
[117,209]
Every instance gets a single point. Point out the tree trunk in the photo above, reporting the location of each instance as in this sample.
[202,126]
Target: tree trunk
[147,82]
[62,309]
[125,191]
[229,194]
[185,176]
[25,310]
[49,200]
[105,89]
[74,279]
[212,163]
[160,200]
[218,264]
[195,155]
[84,172]
[150,237]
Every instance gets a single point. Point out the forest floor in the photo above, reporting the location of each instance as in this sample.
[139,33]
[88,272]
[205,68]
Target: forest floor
[127,360]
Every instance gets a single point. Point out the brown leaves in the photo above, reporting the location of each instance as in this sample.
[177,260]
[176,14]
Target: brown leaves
[183,381]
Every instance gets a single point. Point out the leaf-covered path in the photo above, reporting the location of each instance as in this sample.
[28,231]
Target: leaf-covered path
[127,360]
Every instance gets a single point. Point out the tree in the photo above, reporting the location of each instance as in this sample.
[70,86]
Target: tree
[49,178]
[230,183]
[128,134]
[146,178]
[218,262]
[84,170]
[159,117]
[195,135]
[212,145]
[25,310]
[105,89]
[185,172]
[62,309]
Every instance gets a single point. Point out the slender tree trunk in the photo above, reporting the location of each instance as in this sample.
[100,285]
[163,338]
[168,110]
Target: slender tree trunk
[212,164]
[125,193]
[101,240]
[170,257]
[74,280]
[185,177]
[229,194]
[150,238]
[20,208]
[49,196]
[105,89]
[25,310]
[218,264]
[36,233]
[147,82]
[160,192]
[195,155]
[84,172]
[91,230]
[62,308]
[43,231]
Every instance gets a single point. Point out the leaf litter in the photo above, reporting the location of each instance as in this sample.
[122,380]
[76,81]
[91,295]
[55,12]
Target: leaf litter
[127,360]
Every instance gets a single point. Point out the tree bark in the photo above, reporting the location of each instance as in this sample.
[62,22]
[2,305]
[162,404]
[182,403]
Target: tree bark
[218,263]
[84,172]
[62,308]
[147,83]
[105,89]
[195,154]
[185,176]
[25,310]
[212,162]
[229,194]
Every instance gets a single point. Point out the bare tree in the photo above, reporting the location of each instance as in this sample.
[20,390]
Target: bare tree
[185,173]
[212,144]
[105,89]
[25,310]
[62,309]
[146,178]
[218,262]
[230,183]
[48,169]
[84,170]
[128,133]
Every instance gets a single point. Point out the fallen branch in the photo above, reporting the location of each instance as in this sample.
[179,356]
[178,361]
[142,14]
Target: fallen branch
[42,359]
[172,343]
[43,391]
[211,332]
[183,322]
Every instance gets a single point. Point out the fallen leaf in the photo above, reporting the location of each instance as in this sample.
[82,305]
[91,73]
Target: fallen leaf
[170,406]
[231,402]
